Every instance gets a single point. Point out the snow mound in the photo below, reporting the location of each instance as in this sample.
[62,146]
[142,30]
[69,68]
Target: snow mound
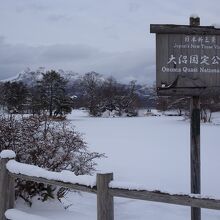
[217,25]
[128,186]
[10,154]
[14,214]
[64,176]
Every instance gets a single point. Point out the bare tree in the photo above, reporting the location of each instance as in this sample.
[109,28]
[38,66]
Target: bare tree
[50,144]
[91,82]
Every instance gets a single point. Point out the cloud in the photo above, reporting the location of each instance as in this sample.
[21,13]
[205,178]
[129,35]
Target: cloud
[131,65]
[134,7]
[2,39]
[24,6]
[79,58]
[68,53]
[58,17]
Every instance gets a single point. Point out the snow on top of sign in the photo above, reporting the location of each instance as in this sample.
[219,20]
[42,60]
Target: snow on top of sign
[7,154]
[194,15]
[216,25]
[64,176]
[15,214]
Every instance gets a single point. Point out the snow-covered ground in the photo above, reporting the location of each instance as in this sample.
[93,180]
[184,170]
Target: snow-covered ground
[151,151]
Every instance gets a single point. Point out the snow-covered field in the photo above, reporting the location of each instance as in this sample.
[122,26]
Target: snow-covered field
[151,151]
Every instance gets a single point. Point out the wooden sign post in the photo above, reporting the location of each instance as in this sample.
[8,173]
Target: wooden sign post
[188,64]
[195,162]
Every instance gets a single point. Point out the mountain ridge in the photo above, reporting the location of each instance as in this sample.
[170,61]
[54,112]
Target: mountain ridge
[30,77]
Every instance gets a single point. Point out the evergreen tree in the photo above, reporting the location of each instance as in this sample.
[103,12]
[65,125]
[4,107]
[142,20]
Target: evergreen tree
[14,96]
[53,96]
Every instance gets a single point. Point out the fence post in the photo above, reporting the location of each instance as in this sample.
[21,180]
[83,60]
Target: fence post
[7,190]
[105,203]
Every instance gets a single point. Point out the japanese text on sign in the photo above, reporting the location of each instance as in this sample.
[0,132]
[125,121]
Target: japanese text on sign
[193,59]
[193,53]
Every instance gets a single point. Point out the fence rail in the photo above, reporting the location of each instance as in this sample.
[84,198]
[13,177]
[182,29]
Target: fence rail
[175,199]
[104,190]
[78,187]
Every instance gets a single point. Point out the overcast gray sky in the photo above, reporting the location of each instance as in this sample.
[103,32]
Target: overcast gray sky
[108,36]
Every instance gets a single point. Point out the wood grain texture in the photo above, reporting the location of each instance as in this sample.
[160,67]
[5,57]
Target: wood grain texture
[195,160]
[183,29]
[79,187]
[105,195]
[194,21]
[157,196]
[7,191]
[190,78]
[105,203]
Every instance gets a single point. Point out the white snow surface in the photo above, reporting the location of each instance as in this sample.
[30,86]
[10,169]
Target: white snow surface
[153,152]
[217,25]
[64,176]
[7,154]
[14,214]
[131,186]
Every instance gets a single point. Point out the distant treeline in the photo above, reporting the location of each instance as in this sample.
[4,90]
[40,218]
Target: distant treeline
[57,96]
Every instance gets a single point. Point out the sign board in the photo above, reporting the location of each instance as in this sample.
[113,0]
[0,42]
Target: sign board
[187,60]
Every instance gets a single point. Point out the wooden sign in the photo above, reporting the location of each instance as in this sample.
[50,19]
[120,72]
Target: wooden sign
[187,60]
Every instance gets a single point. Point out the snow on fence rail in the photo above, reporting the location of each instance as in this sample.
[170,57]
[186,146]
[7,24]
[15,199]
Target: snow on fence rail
[103,185]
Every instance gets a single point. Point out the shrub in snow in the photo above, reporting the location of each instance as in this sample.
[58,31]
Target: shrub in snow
[54,145]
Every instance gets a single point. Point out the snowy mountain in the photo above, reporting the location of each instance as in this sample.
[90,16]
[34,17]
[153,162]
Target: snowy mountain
[30,77]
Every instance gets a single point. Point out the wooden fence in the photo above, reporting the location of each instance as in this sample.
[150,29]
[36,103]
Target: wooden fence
[105,193]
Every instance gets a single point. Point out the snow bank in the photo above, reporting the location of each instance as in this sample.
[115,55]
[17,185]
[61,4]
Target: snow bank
[217,25]
[14,214]
[64,176]
[138,187]
[7,154]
